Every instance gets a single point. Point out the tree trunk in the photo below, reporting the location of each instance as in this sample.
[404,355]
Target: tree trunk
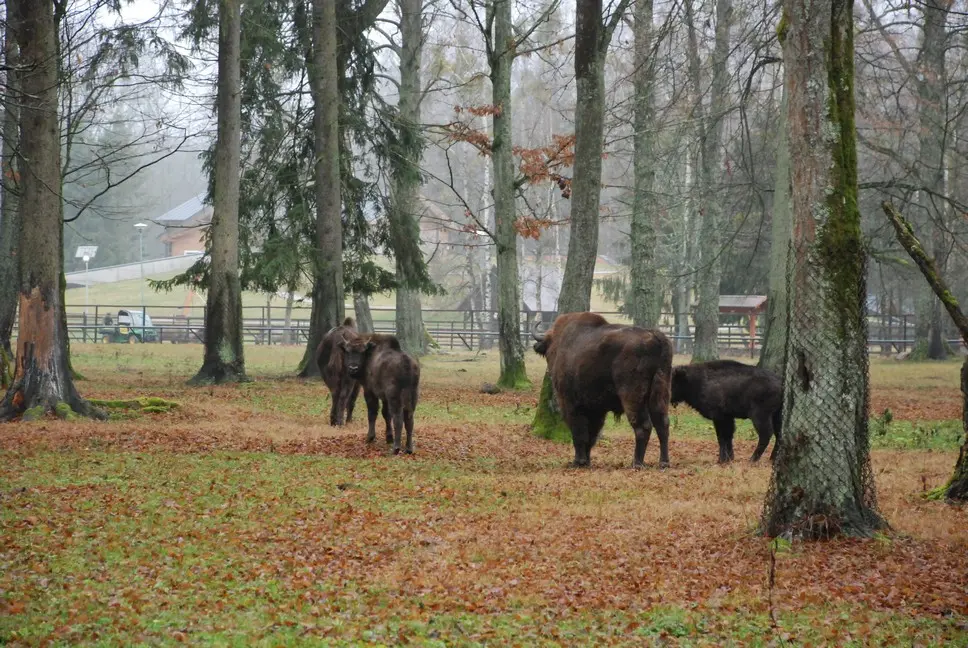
[328,309]
[224,360]
[591,42]
[929,342]
[822,483]
[364,318]
[646,293]
[9,212]
[405,211]
[42,381]
[957,488]
[773,355]
[513,373]
[710,200]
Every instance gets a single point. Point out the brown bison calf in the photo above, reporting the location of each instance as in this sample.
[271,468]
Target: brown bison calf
[330,359]
[597,368]
[389,376]
[725,390]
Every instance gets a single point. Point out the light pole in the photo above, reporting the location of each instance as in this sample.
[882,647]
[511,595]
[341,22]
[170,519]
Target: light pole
[86,283]
[141,260]
[86,253]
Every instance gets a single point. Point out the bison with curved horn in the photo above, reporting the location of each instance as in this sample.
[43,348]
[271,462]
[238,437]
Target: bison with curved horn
[597,368]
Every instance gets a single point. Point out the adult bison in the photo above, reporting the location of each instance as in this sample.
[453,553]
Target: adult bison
[725,390]
[389,376]
[597,368]
[343,388]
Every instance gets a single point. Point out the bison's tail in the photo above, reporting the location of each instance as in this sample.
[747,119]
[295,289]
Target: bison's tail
[660,392]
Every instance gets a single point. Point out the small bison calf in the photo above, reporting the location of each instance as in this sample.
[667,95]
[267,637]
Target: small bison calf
[343,388]
[725,390]
[389,376]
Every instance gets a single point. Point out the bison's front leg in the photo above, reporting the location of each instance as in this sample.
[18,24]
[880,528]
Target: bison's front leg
[372,408]
[351,400]
[584,433]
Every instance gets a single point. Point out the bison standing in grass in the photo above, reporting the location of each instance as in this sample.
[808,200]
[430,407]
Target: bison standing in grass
[725,390]
[389,376]
[597,368]
[343,388]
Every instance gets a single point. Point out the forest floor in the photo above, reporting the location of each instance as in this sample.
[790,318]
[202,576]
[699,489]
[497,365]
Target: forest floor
[241,518]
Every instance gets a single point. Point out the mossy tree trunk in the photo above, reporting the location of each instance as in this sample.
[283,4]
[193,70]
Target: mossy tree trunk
[592,37]
[223,359]
[957,488]
[773,355]
[646,292]
[42,381]
[822,483]
[405,206]
[710,200]
[328,295]
[9,190]
[501,53]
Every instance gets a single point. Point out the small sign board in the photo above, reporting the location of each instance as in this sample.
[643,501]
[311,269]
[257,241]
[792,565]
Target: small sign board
[86,251]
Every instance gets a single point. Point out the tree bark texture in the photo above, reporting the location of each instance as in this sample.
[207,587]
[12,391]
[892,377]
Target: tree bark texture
[591,42]
[9,211]
[42,380]
[773,355]
[822,483]
[586,183]
[929,338]
[710,200]
[224,360]
[646,291]
[328,295]
[957,488]
[513,373]
[364,318]
[405,210]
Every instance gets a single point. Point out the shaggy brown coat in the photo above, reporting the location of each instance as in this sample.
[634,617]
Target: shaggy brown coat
[343,388]
[389,376]
[597,368]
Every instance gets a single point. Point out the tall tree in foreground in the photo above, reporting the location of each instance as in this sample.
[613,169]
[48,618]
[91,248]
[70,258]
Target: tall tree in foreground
[773,355]
[957,488]
[9,213]
[500,49]
[822,483]
[709,200]
[593,33]
[405,196]
[42,380]
[224,360]
[328,295]
[646,294]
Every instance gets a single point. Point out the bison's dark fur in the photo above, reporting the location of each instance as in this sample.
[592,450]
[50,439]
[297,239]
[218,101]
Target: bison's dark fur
[389,376]
[597,368]
[343,388]
[725,390]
